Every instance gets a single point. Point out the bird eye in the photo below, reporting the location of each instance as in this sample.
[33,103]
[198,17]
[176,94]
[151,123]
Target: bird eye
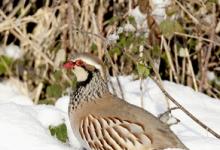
[79,62]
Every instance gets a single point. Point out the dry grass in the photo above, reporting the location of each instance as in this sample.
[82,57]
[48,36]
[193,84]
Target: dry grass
[50,31]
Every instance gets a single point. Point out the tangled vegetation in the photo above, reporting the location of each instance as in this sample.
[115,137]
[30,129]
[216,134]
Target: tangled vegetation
[184,47]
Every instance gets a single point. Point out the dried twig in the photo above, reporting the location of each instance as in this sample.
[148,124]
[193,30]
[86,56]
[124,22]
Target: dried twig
[191,69]
[208,55]
[38,92]
[157,75]
[167,50]
[160,85]
[186,111]
[69,22]
[187,12]
[117,79]
[197,37]
[168,111]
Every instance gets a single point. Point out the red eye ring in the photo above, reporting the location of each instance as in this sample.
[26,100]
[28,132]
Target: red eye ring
[79,62]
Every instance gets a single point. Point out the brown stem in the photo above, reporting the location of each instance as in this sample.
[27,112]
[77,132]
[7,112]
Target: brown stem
[206,59]
[159,83]
[186,111]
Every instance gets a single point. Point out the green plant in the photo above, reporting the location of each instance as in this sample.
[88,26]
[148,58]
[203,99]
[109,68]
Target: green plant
[60,132]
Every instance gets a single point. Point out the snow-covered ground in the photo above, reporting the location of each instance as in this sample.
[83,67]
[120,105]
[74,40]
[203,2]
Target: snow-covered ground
[24,126]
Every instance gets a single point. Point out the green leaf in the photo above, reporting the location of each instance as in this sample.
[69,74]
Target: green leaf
[60,132]
[94,47]
[143,71]
[5,62]
[213,1]
[112,20]
[135,49]
[172,10]
[54,90]
[47,102]
[192,43]
[130,39]
[2,69]
[132,20]
[168,27]
[74,81]
[156,52]
[116,51]
[58,75]
[122,41]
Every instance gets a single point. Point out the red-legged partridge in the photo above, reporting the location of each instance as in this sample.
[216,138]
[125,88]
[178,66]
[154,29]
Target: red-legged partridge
[102,121]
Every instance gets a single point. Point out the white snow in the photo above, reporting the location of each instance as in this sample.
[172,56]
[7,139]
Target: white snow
[159,9]
[24,126]
[112,38]
[13,51]
[140,18]
[129,27]
[211,75]
[9,92]
[62,103]
[21,128]
[158,12]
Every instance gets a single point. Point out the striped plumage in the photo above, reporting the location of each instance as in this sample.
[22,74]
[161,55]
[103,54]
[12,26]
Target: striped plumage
[113,133]
[102,121]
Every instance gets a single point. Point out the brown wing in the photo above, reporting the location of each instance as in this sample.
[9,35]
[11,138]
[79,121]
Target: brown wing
[111,133]
[110,114]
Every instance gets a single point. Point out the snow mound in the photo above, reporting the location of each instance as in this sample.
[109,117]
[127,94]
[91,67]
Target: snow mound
[9,92]
[24,126]
[21,128]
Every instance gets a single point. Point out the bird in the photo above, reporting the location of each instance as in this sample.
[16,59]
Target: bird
[102,121]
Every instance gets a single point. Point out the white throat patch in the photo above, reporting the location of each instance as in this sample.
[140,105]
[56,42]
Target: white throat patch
[81,73]
[93,61]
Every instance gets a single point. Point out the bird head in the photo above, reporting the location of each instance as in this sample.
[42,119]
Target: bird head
[84,64]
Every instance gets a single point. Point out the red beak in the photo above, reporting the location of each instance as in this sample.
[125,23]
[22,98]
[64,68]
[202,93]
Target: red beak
[69,64]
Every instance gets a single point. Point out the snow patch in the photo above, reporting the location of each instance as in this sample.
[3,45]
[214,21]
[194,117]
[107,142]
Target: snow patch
[21,130]
[112,38]
[62,103]
[13,51]
[10,93]
[26,125]
[140,18]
